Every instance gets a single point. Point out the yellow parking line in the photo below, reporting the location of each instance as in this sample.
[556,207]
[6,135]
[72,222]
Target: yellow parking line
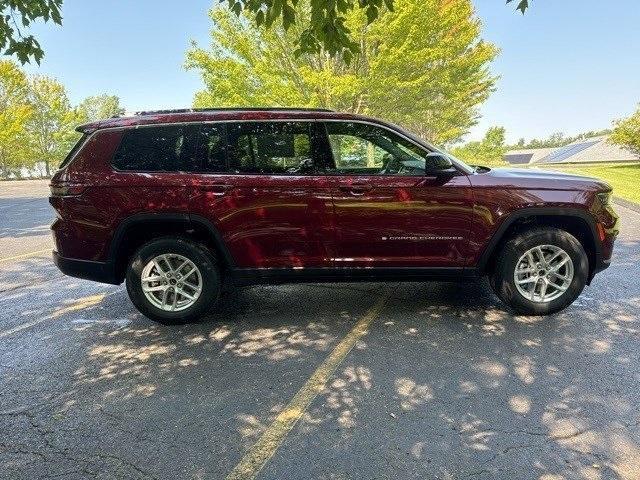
[81,304]
[25,255]
[258,456]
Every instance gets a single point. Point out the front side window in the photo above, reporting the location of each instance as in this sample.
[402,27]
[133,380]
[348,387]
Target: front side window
[270,148]
[362,149]
[152,149]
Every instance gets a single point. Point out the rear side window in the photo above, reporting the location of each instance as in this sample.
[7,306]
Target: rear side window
[212,144]
[154,149]
[270,148]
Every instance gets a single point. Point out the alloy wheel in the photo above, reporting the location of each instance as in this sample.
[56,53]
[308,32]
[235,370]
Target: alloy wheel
[543,273]
[171,282]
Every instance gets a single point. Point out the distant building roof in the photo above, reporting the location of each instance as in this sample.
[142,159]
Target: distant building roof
[603,151]
[532,155]
[588,150]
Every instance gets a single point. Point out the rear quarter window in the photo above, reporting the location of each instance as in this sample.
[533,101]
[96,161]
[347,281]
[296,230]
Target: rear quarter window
[156,149]
[76,148]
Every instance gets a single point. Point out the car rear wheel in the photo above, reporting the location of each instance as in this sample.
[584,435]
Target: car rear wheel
[173,280]
[541,271]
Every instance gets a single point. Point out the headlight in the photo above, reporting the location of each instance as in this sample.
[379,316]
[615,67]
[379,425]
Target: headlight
[605,198]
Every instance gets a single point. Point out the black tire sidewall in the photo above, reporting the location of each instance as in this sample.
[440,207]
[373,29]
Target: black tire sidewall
[199,255]
[504,282]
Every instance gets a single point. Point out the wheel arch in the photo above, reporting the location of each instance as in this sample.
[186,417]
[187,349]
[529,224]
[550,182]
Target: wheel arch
[575,221]
[137,229]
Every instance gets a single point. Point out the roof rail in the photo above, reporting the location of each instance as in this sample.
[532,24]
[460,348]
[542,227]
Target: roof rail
[234,109]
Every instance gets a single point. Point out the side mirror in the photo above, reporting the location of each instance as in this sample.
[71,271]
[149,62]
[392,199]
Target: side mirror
[438,164]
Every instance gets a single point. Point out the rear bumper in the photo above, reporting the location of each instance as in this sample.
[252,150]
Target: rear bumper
[86,269]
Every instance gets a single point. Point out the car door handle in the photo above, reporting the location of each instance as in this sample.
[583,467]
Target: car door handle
[426,181]
[219,189]
[356,188]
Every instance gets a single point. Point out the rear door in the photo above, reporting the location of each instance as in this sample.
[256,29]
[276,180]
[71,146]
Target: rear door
[264,189]
[388,213]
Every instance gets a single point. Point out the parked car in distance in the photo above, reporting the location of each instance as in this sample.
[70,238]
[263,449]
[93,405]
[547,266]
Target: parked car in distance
[183,203]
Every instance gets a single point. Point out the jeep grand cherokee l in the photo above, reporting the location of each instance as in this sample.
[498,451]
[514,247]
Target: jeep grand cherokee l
[180,203]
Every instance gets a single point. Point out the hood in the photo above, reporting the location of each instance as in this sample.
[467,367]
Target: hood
[544,179]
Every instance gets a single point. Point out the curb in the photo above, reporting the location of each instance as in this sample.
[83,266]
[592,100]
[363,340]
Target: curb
[627,204]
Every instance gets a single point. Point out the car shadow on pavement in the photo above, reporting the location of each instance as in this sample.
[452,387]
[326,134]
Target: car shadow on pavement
[451,383]
[471,390]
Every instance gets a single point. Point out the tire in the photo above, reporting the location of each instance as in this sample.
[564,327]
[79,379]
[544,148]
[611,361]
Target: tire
[550,240]
[172,252]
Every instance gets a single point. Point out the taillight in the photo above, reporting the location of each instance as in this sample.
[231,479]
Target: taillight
[66,190]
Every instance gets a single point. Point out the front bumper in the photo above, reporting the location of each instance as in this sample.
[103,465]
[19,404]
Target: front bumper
[97,271]
[607,229]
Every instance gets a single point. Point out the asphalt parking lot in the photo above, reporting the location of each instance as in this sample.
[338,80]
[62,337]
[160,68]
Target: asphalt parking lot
[332,381]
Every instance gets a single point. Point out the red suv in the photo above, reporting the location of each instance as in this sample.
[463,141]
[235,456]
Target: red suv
[180,203]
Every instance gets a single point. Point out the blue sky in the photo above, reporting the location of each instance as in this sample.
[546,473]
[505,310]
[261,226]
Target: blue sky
[567,65]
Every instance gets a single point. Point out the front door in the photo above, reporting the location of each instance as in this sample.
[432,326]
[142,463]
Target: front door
[267,195]
[388,213]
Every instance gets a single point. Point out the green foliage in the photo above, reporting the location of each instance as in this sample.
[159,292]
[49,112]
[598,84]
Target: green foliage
[51,128]
[37,121]
[326,26]
[627,133]
[487,152]
[15,112]
[326,21]
[100,107]
[422,65]
[19,14]
[326,29]
[522,5]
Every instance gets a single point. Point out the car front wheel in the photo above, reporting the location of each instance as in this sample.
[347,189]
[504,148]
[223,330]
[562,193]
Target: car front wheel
[541,271]
[173,280]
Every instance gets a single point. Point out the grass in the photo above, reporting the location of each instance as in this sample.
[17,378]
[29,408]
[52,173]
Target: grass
[624,178]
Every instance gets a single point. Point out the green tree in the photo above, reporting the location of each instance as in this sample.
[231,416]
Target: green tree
[51,128]
[99,107]
[487,152]
[423,66]
[627,133]
[15,111]
[20,14]
[327,28]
